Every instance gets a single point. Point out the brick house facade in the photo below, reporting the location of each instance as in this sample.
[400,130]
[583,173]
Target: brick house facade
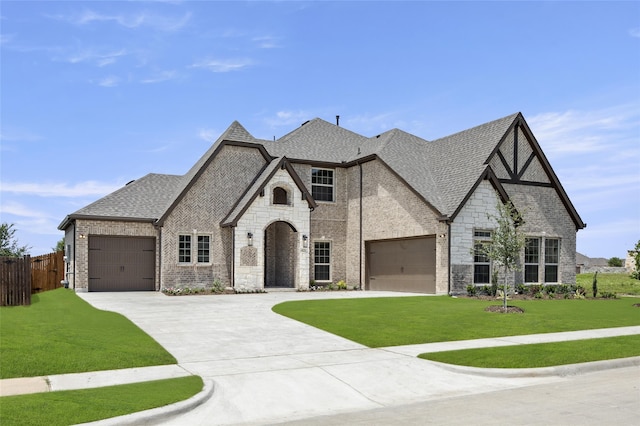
[323,204]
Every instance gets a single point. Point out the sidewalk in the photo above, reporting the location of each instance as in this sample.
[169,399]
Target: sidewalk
[95,379]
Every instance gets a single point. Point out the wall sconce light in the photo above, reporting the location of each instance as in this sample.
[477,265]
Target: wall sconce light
[442,235]
[250,239]
[82,236]
[305,241]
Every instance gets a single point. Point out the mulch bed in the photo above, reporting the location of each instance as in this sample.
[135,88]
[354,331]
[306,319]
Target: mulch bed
[500,309]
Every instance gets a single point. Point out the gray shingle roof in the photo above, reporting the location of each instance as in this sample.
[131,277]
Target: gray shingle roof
[442,172]
[145,198]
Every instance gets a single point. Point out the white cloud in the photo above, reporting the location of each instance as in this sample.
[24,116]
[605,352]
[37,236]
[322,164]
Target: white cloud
[289,118]
[109,81]
[101,59]
[160,77]
[573,132]
[267,42]
[53,189]
[142,19]
[208,135]
[634,32]
[18,209]
[225,65]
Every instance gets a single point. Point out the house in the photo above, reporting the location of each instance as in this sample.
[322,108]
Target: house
[323,204]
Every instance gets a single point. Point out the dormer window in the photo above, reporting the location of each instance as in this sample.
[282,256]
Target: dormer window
[280,196]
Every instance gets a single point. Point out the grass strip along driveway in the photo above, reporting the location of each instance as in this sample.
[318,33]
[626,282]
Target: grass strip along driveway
[380,322]
[61,333]
[82,406]
[542,354]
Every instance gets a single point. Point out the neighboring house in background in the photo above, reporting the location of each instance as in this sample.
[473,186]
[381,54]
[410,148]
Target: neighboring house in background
[585,263]
[323,204]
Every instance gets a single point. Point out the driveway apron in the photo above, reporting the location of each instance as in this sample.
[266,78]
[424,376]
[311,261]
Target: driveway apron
[268,368]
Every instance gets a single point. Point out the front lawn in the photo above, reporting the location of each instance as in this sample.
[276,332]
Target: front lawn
[61,333]
[542,354]
[87,405]
[380,322]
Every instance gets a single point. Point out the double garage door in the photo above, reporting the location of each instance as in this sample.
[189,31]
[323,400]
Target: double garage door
[402,265]
[122,263]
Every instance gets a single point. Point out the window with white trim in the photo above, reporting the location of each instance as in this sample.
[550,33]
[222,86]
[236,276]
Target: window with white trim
[322,260]
[551,258]
[322,184]
[481,262]
[204,248]
[531,260]
[184,248]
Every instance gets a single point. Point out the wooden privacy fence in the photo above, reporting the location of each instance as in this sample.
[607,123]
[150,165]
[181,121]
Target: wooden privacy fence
[15,281]
[22,276]
[47,271]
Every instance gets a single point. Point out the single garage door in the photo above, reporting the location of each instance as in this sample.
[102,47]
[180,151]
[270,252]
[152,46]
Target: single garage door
[402,265]
[121,263]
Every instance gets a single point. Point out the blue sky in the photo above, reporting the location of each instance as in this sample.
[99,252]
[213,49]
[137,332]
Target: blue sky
[95,94]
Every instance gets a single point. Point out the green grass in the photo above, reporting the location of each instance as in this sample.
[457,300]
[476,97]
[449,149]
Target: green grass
[61,333]
[613,283]
[542,354]
[81,406]
[379,322]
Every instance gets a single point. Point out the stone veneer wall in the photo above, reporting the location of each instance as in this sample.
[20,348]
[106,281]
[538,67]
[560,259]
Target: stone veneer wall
[109,228]
[250,261]
[390,210]
[545,217]
[202,209]
[473,216]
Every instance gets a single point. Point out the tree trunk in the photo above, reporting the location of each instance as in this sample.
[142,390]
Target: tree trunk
[504,291]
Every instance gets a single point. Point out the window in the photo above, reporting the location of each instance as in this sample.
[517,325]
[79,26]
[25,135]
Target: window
[322,260]
[279,196]
[322,184]
[184,248]
[481,263]
[203,248]
[531,260]
[551,256]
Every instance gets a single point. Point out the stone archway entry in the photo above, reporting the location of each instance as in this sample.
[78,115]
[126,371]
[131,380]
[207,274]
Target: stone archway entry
[280,244]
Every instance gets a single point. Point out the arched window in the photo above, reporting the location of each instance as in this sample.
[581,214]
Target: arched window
[279,195]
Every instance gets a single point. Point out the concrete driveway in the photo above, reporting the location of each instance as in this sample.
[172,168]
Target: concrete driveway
[267,368]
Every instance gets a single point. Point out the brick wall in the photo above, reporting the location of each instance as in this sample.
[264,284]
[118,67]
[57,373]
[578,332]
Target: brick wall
[390,210]
[200,212]
[88,228]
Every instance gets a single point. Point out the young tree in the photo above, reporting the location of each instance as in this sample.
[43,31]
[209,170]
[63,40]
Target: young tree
[636,258]
[506,244]
[614,261]
[9,242]
[59,245]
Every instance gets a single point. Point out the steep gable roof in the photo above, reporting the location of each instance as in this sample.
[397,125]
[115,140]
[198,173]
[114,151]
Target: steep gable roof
[258,185]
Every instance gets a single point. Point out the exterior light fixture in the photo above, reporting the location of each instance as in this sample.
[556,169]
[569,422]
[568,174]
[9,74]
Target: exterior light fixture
[82,236]
[250,239]
[305,241]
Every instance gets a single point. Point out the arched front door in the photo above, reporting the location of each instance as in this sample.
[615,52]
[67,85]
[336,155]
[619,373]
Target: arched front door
[280,248]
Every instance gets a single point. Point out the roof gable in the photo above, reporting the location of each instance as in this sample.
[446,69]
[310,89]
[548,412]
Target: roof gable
[258,186]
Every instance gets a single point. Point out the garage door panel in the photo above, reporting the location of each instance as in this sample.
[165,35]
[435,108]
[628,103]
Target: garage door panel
[121,263]
[402,265]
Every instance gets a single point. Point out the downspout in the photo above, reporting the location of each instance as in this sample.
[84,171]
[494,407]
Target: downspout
[449,258]
[360,238]
[75,249]
[233,257]
[159,229]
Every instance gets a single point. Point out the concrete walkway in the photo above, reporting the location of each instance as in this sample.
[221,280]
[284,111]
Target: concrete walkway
[261,367]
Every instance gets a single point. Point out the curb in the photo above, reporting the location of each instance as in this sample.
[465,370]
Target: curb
[156,415]
[560,370]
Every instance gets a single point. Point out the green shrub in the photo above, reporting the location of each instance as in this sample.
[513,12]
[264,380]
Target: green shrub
[471,290]
[217,286]
[341,285]
[608,295]
[615,261]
